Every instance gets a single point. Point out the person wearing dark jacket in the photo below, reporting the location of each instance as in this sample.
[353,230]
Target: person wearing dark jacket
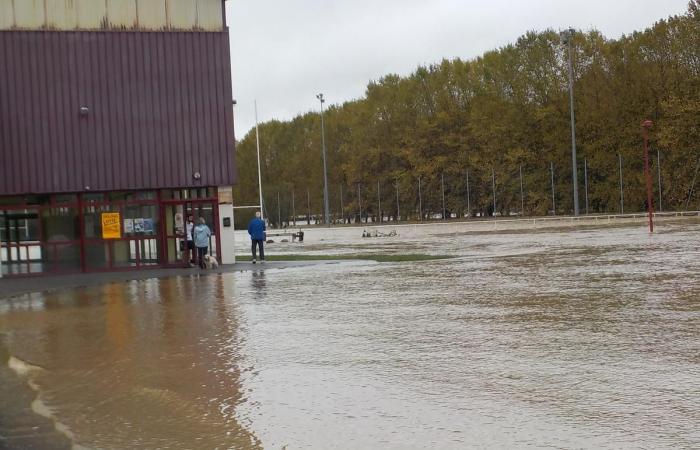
[256,230]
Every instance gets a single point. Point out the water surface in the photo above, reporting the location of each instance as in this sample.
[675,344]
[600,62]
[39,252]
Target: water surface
[583,339]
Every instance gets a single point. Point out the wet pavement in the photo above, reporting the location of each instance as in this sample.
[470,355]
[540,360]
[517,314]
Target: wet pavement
[566,339]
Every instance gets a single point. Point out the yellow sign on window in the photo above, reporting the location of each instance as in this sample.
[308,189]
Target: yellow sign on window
[111,225]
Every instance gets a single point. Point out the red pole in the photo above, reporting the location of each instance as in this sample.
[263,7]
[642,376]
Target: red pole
[650,206]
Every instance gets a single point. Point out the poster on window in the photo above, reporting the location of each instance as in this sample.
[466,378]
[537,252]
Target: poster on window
[111,225]
[148,226]
[128,226]
[138,225]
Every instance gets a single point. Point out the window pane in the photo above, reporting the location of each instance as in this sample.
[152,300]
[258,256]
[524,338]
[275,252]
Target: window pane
[60,224]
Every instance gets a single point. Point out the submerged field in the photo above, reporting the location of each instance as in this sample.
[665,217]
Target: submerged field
[565,338]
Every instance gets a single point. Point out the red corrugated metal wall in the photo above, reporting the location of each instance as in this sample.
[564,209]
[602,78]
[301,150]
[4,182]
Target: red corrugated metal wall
[159,110]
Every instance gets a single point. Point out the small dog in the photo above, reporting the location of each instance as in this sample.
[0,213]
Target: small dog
[210,263]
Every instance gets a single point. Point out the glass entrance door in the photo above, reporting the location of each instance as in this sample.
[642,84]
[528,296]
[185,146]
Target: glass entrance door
[176,216]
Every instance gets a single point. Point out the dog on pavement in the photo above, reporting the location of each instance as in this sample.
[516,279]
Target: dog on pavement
[210,262]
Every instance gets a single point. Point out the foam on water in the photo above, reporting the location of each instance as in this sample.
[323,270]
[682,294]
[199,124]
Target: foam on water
[29,371]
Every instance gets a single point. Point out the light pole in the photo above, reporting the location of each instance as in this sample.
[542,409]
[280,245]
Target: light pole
[469,206]
[493,185]
[650,206]
[398,206]
[257,143]
[379,202]
[442,184]
[522,195]
[554,201]
[325,171]
[622,192]
[420,201]
[585,178]
[567,38]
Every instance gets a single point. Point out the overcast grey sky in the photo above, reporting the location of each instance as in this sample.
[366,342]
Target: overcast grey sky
[286,51]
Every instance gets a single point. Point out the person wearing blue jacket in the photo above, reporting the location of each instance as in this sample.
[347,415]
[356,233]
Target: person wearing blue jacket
[256,230]
[201,233]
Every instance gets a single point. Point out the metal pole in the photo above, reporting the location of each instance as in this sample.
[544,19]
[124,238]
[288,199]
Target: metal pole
[294,211]
[554,203]
[442,184]
[650,205]
[622,193]
[308,208]
[585,176]
[398,205]
[522,195]
[257,142]
[279,211]
[469,206]
[420,201]
[692,186]
[379,202]
[569,40]
[493,185]
[325,171]
[359,200]
[342,207]
[658,168]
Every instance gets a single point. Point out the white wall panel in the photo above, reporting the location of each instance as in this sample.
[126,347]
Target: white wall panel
[29,14]
[112,14]
[151,14]
[61,14]
[121,13]
[92,14]
[7,14]
[209,15]
[182,14]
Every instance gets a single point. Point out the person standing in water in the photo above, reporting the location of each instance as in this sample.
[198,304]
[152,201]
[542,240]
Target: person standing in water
[256,230]
[202,233]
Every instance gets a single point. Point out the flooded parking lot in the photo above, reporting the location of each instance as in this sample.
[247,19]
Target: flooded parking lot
[558,338]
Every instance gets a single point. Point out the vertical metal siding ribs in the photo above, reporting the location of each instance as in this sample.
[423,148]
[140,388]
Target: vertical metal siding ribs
[159,109]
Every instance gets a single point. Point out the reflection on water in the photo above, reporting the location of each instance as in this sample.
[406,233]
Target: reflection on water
[587,339]
[148,364]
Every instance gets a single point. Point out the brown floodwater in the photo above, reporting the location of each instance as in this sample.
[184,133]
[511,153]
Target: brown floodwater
[582,339]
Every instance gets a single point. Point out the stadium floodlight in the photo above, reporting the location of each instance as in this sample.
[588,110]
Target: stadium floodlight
[567,37]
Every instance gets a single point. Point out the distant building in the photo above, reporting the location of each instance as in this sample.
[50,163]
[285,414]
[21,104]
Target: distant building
[116,122]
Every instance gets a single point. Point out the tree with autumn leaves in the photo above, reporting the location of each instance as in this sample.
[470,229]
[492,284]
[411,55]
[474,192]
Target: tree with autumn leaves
[485,119]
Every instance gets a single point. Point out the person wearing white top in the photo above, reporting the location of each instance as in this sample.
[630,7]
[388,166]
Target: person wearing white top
[190,240]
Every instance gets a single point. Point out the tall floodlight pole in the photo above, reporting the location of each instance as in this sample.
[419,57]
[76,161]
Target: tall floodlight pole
[257,142]
[658,170]
[279,211]
[522,194]
[554,202]
[294,211]
[469,206]
[379,202]
[325,171]
[585,178]
[622,192]
[420,201]
[308,207]
[493,185]
[650,205]
[342,207]
[359,200]
[398,206]
[442,184]
[567,38]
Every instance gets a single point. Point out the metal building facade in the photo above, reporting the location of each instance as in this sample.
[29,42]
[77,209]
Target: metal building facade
[116,124]
[83,110]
